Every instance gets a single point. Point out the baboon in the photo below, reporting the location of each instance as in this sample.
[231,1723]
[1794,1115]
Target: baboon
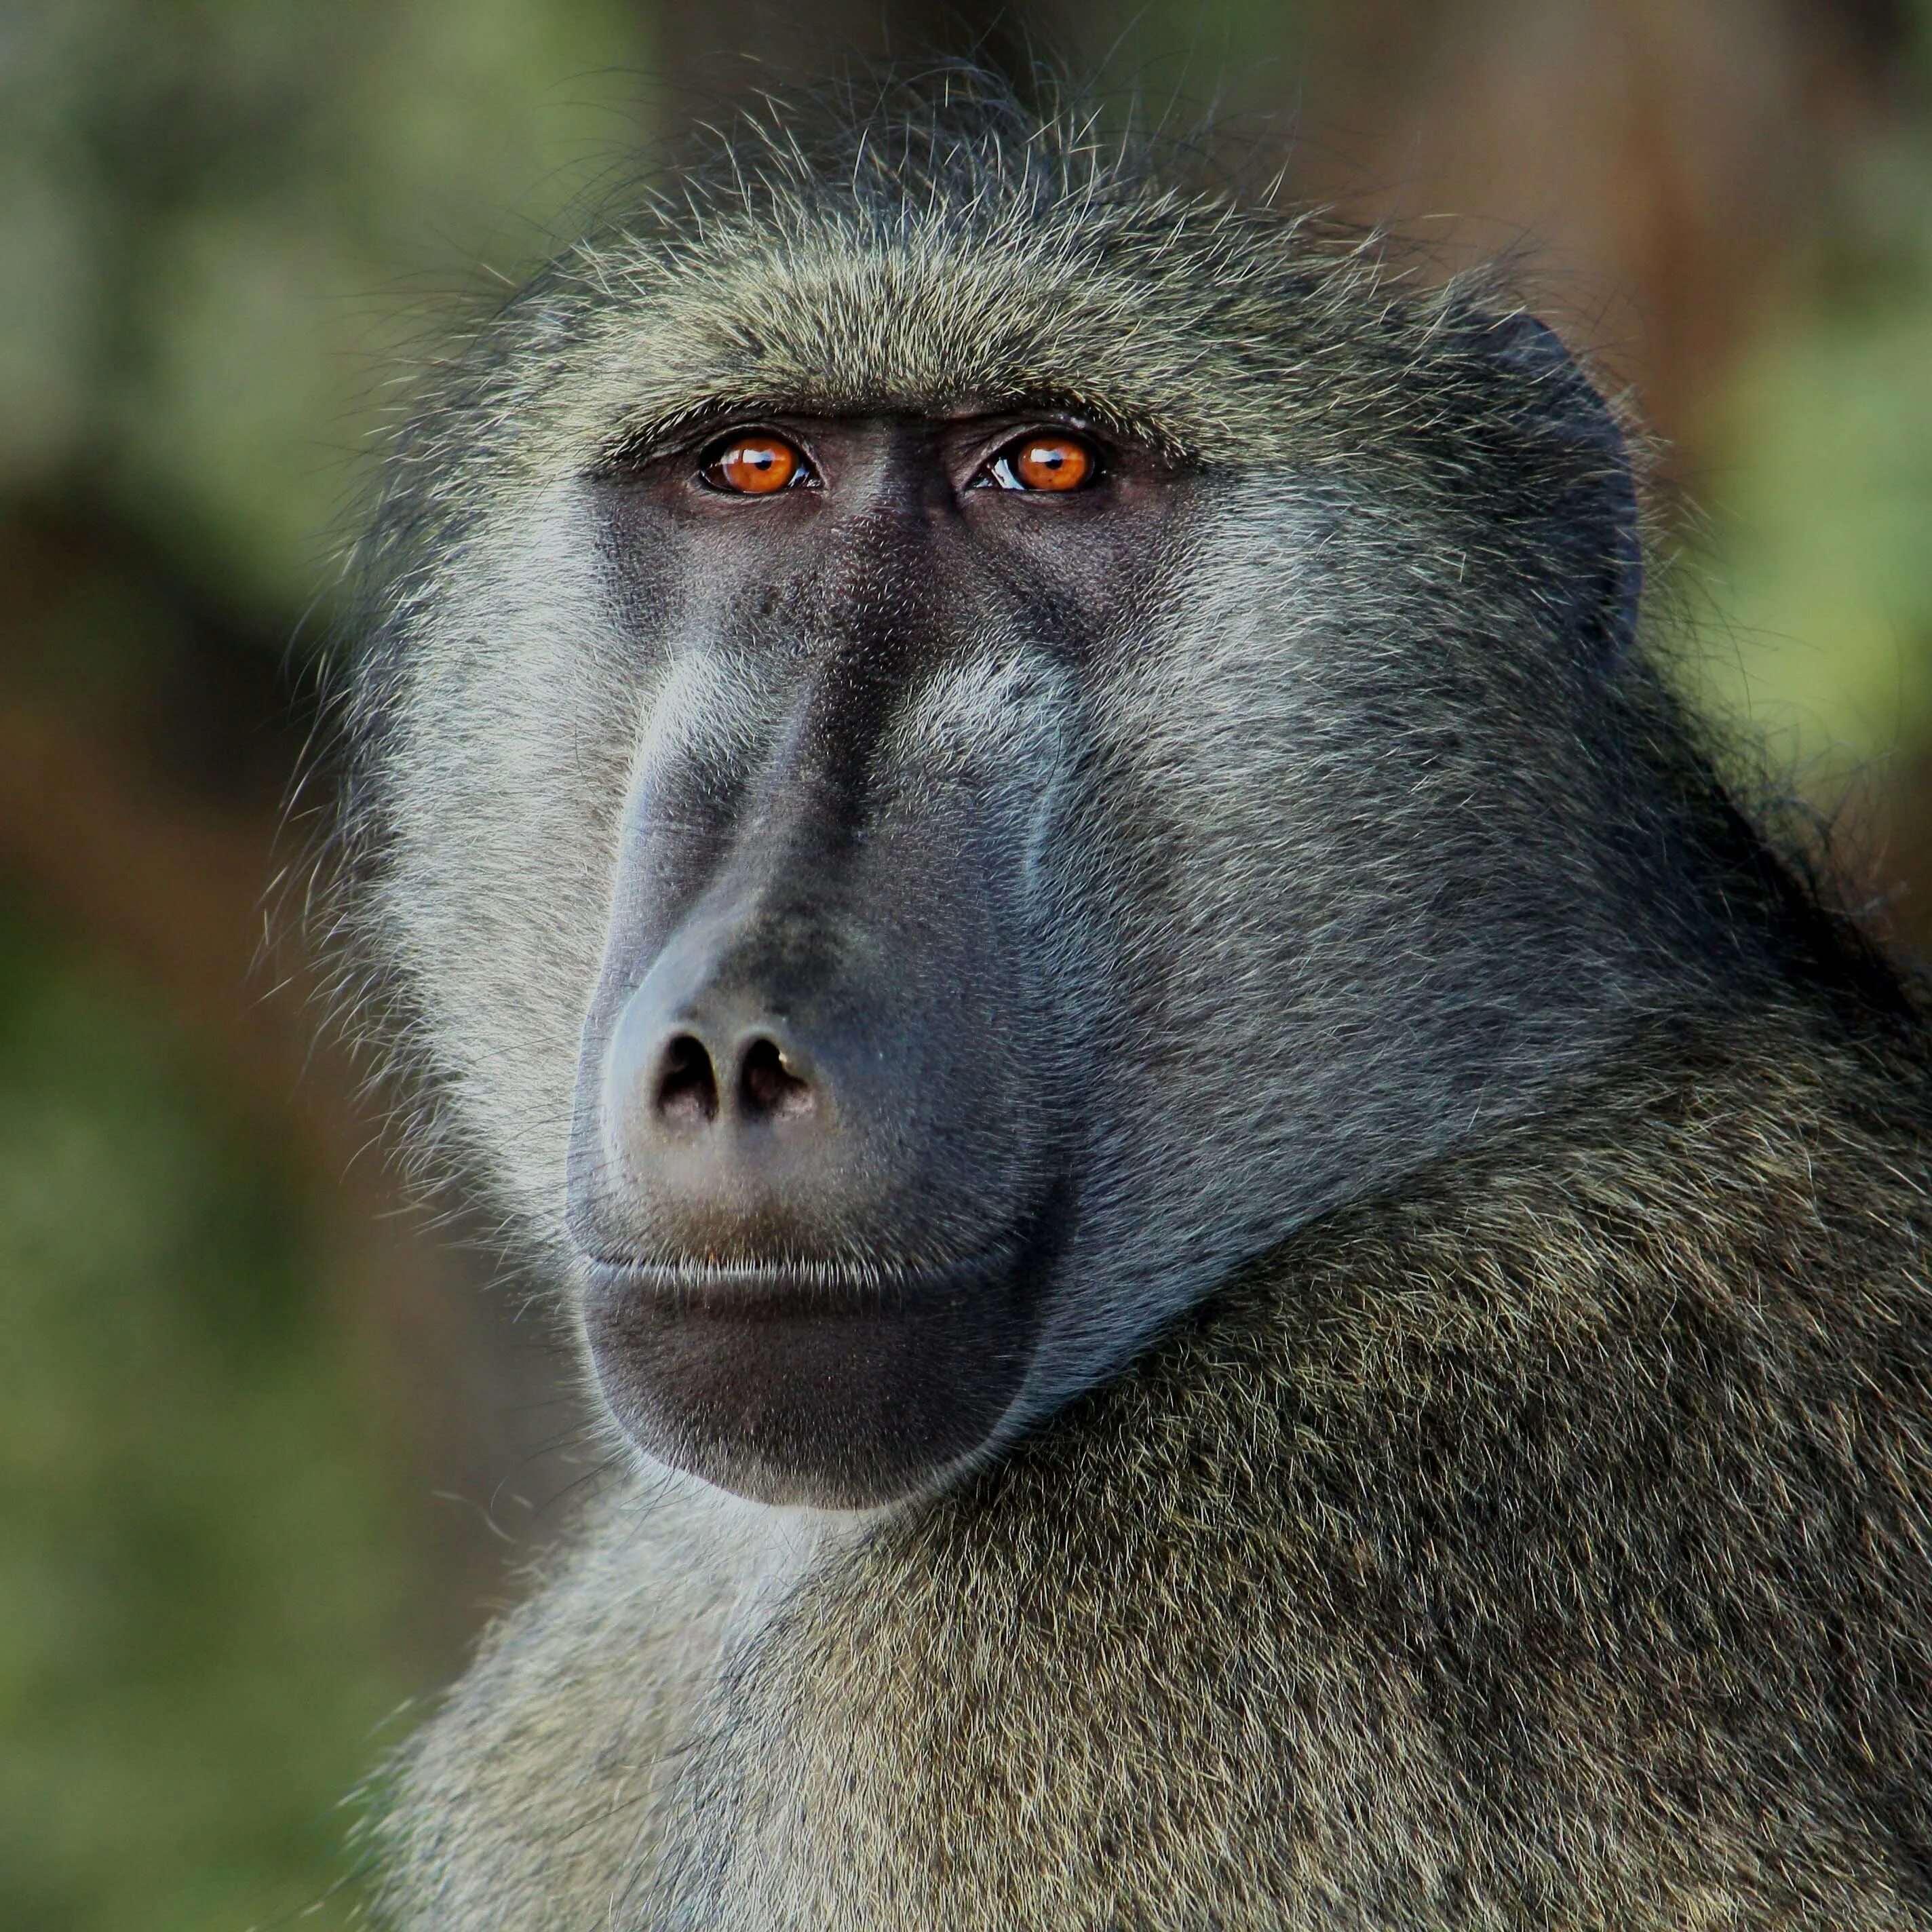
[1252,1259]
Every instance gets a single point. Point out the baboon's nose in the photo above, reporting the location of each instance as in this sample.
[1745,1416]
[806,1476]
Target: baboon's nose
[726,1083]
[760,1092]
[759,1082]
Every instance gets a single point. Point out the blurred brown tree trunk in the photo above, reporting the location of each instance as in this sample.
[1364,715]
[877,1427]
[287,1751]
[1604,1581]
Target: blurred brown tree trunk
[1661,165]
[735,48]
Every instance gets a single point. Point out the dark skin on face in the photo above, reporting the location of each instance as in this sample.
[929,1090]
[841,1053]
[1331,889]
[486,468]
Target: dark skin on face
[1055,509]
[818,1176]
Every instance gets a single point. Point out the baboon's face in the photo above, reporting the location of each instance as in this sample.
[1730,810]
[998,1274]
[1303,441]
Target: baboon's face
[836,1061]
[904,928]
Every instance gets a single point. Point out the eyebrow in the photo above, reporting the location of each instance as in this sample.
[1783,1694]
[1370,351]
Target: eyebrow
[664,432]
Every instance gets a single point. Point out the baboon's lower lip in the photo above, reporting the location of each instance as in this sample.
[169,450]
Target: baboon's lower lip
[826,1383]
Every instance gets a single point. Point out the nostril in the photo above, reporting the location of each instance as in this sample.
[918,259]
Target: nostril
[687,1094]
[768,1088]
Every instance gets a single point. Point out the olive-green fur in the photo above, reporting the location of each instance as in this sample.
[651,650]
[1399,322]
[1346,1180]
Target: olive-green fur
[1548,1546]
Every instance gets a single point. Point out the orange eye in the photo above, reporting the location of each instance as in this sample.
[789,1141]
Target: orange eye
[1059,462]
[754,465]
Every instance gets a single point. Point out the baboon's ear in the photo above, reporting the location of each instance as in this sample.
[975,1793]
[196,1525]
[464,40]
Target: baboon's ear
[1567,478]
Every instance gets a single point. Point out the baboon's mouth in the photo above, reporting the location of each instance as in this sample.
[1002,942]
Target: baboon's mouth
[840,1383]
[750,1287]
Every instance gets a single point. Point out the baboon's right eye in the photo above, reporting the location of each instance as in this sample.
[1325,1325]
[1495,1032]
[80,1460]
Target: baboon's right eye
[1055,462]
[755,464]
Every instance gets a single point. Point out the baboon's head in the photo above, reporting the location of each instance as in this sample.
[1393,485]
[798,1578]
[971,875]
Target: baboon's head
[956,743]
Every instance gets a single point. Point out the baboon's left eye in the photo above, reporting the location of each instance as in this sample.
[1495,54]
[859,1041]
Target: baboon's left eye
[1058,462]
[755,465]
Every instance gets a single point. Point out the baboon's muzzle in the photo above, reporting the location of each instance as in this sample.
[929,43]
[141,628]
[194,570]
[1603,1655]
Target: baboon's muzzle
[807,1183]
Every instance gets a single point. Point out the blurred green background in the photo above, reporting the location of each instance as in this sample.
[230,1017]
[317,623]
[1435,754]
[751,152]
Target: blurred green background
[271,1443]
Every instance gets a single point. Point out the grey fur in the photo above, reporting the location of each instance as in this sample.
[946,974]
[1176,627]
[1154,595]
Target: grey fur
[1474,1471]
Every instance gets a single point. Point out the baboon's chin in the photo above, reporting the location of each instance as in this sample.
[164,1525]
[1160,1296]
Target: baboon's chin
[812,1386]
